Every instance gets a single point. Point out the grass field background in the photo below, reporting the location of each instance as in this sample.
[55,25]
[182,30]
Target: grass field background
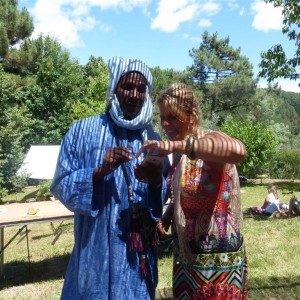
[272,248]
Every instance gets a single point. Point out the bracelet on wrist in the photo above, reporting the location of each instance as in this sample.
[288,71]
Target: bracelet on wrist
[189,148]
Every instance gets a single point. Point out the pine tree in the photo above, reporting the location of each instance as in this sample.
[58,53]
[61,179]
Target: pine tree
[15,25]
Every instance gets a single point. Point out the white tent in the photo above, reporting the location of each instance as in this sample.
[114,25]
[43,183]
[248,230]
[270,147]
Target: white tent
[40,162]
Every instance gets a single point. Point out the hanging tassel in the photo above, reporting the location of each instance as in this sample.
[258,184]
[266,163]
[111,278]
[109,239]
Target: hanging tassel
[143,266]
[135,242]
[135,238]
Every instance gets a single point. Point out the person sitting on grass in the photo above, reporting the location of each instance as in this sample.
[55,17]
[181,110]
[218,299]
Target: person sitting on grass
[270,205]
[294,207]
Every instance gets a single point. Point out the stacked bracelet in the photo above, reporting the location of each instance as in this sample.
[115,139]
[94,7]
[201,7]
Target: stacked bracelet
[189,148]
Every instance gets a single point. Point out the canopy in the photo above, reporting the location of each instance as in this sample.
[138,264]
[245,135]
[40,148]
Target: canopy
[40,162]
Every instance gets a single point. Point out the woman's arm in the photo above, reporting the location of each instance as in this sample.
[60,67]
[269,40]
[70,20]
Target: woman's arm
[219,147]
[215,146]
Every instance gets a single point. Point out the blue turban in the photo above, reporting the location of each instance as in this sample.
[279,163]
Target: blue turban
[117,68]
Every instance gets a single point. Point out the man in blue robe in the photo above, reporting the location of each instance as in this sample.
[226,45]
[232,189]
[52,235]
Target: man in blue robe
[115,199]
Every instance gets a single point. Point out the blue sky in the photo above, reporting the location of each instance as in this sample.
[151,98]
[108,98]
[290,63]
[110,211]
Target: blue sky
[160,32]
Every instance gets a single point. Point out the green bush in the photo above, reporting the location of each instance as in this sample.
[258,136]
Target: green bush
[286,164]
[260,142]
[44,190]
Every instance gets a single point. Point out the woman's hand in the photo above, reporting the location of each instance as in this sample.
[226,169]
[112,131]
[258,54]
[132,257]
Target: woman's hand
[162,147]
[163,226]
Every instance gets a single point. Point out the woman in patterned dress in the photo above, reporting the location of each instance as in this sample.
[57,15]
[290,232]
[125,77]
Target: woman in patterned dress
[205,211]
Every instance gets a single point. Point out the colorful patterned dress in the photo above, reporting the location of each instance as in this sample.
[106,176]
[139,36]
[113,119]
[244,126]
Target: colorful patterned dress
[209,254]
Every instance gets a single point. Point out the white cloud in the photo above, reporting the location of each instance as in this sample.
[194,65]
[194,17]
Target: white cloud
[64,19]
[170,14]
[289,85]
[186,36]
[233,4]
[210,8]
[104,27]
[285,84]
[242,11]
[204,23]
[267,17]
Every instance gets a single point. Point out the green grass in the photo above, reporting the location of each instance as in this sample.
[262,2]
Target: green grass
[272,246]
[27,193]
[272,249]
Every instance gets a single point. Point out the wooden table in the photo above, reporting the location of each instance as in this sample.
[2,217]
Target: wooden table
[18,214]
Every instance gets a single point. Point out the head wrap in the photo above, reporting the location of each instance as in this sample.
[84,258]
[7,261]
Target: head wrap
[118,67]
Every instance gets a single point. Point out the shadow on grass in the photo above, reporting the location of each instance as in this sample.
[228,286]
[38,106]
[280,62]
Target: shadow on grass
[287,187]
[29,196]
[165,252]
[255,217]
[56,230]
[20,273]
[17,273]
[276,287]
[276,283]
[164,294]
[165,247]
[20,197]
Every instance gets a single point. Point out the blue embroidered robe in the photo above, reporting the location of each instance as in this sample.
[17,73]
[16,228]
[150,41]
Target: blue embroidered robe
[101,265]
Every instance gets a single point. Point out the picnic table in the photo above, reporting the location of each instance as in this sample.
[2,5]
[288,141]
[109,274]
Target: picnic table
[23,214]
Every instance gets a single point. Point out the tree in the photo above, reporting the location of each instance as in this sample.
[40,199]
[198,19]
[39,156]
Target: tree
[14,25]
[275,62]
[58,84]
[14,125]
[273,108]
[223,74]
[286,164]
[162,79]
[260,142]
[96,76]
[24,59]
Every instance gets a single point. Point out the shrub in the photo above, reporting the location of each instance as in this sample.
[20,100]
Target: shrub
[260,142]
[286,164]
[44,190]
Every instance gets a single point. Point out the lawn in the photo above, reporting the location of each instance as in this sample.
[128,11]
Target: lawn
[272,246]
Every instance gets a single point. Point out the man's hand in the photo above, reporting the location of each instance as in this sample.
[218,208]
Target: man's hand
[150,172]
[113,158]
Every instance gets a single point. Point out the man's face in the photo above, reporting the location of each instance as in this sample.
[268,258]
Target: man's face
[131,93]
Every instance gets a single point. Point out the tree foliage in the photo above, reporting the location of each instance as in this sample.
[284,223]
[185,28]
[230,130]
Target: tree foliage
[58,84]
[223,74]
[286,164]
[260,142]
[162,79]
[15,25]
[273,108]
[14,125]
[216,59]
[275,62]
[96,77]
[24,60]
